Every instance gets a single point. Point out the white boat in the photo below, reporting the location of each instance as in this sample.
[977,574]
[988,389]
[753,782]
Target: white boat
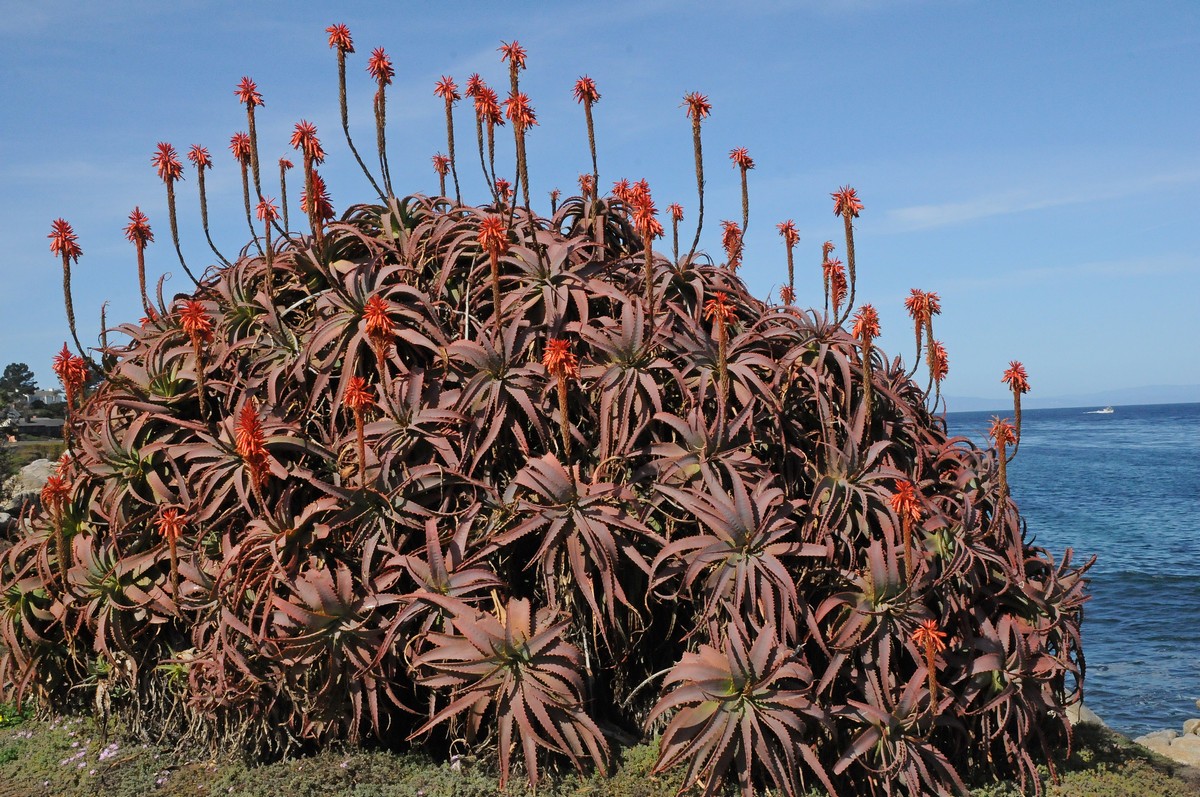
[1105,411]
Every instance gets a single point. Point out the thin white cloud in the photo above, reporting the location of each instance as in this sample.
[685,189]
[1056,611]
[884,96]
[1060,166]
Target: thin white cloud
[927,217]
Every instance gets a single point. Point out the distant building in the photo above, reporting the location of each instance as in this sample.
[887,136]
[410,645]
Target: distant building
[41,427]
[48,397]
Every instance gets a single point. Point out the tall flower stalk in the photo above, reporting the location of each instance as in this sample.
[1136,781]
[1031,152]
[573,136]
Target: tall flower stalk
[380,329]
[835,279]
[587,94]
[698,108]
[169,526]
[359,400]
[139,234]
[267,212]
[441,165]
[304,139]
[250,442]
[520,113]
[560,362]
[731,240]
[676,211]
[72,371]
[931,642]
[922,306]
[907,507]
[447,89]
[166,163]
[493,239]
[826,250]
[379,65]
[847,205]
[1018,382]
[645,221]
[65,244]
[719,311]
[866,329]
[198,326]
[284,166]
[791,237]
[742,160]
[248,94]
[239,145]
[489,113]
[55,494]
[200,158]
[1002,434]
[939,367]
[341,41]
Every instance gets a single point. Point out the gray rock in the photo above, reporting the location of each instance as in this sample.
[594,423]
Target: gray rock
[1192,727]
[1185,750]
[1157,736]
[1079,714]
[33,476]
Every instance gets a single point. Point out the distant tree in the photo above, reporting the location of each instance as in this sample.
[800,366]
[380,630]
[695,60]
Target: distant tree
[17,384]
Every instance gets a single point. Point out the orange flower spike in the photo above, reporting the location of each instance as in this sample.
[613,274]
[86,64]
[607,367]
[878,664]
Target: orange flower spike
[493,235]
[378,323]
[1018,382]
[1016,377]
[866,324]
[940,365]
[676,211]
[358,399]
[513,53]
[741,158]
[731,239]
[847,205]
[447,89]
[1002,431]
[698,106]
[199,157]
[475,85]
[837,283]
[239,145]
[166,163]
[518,111]
[787,295]
[441,164]
[170,523]
[248,94]
[585,91]
[379,65]
[587,186]
[932,641]
[55,493]
[267,210]
[339,38]
[250,441]
[315,200]
[63,241]
[304,139]
[71,371]
[559,361]
[196,322]
[138,230]
[720,311]
[907,507]
[791,237]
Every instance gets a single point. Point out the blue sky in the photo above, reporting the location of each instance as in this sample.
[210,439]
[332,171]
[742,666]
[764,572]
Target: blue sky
[1037,164]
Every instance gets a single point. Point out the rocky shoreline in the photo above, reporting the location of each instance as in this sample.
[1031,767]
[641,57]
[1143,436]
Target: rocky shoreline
[1183,747]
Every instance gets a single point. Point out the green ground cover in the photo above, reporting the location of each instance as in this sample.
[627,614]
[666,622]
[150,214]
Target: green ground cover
[67,757]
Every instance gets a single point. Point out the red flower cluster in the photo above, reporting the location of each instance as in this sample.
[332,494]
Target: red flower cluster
[939,364]
[380,66]
[513,53]
[741,158]
[239,145]
[199,157]
[493,236]
[787,295]
[197,323]
[866,324]
[304,138]
[339,37]
[250,441]
[247,93]
[905,503]
[358,396]
[922,306]
[138,230]
[441,164]
[719,309]
[846,202]
[167,163]
[787,229]
[63,241]
[1002,431]
[71,371]
[1016,377]
[835,272]
[267,210]
[698,106]
[322,206]
[585,90]
[645,215]
[676,211]
[731,239]
[447,89]
[170,524]
[559,361]
[520,112]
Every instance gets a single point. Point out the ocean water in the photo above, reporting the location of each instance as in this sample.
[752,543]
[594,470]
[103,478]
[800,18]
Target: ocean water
[1125,487]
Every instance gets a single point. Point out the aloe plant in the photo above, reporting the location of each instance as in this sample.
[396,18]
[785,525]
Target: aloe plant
[476,475]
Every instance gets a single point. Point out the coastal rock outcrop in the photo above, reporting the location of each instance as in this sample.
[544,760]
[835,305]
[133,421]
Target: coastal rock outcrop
[1182,747]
